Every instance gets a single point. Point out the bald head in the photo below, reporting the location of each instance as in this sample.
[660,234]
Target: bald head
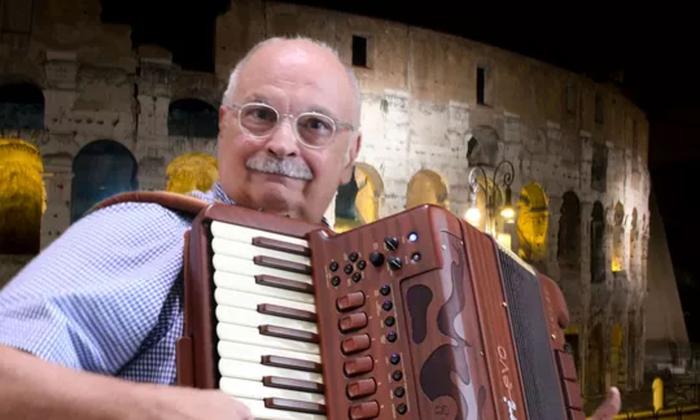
[306,47]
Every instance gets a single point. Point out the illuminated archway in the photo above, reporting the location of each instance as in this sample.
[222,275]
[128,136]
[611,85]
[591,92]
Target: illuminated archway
[532,224]
[101,169]
[22,197]
[358,201]
[426,187]
[192,171]
[618,249]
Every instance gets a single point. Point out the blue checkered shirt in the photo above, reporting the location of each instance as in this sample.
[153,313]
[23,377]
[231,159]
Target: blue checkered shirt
[106,296]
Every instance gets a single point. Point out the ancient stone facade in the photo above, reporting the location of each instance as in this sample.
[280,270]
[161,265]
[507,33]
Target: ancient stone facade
[579,148]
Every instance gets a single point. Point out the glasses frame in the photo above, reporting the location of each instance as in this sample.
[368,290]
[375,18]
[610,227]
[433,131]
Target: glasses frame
[294,119]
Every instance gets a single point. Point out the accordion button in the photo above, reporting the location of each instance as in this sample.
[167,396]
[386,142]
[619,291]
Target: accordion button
[395,263]
[365,410]
[352,322]
[391,243]
[361,388]
[376,258]
[361,265]
[350,301]
[353,256]
[333,266]
[348,269]
[355,343]
[358,366]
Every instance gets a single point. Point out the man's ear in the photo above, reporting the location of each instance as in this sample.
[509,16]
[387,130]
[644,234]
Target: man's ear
[350,156]
[223,111]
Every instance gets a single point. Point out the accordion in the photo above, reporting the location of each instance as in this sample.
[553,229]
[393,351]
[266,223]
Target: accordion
[415,316]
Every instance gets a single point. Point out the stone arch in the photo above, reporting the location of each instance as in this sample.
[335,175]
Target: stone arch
[21,106]
[532,224]
[569,236]
[22,197]
[483,146]
[358,201]
[634,241]
[101,169]
[192,171]
[597,253]
[595,362]
[426,187]
[618,234]
[191,117]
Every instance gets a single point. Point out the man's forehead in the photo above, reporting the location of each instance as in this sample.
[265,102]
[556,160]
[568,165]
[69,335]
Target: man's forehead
[312,72]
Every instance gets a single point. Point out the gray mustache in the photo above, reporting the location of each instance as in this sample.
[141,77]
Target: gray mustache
[288,167]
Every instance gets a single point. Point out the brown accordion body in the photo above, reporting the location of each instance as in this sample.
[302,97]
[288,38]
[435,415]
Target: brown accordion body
[418,315]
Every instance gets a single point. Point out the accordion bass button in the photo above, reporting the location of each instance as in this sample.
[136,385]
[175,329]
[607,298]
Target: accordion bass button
[353,322]
[355,343]
[365,410]
[358,366]
[350,301]
[361,388]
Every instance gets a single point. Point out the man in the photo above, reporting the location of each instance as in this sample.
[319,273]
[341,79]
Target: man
[102,303]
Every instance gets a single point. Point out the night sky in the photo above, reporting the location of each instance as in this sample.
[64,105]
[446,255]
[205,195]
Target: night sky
[653,49]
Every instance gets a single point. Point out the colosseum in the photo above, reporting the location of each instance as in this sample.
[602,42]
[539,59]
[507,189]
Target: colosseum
[86,113]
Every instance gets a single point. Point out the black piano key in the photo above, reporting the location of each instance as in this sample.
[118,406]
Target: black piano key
[272,281]
[290,363]
[294,267]
[293,384]
[288,333]
[294,405]
[281,246]
[275,310]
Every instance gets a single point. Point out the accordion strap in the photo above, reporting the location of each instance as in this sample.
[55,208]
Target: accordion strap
[172,201]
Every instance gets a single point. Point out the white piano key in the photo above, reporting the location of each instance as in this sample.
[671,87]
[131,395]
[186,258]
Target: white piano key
[248,335]
[245,234]
[249,268]
[245,317]
[260,412]
[236,249]
[231,368]
[248,284]
[251,301]
[256,390]
[253,353]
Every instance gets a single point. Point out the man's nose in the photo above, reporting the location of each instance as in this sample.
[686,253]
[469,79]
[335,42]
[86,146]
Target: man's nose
[282,142]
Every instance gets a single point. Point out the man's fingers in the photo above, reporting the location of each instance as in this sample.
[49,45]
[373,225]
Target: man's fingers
[609,407]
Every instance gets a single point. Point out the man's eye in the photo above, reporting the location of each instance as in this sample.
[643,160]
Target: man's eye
[316,124]
[263,114]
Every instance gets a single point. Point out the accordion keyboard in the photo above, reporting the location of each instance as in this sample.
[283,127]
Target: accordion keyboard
[268,345]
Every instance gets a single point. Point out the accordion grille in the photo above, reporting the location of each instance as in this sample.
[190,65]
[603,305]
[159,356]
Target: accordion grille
[540,379]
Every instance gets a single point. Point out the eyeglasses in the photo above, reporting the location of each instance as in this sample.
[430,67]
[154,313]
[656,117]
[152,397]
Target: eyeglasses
[312,129]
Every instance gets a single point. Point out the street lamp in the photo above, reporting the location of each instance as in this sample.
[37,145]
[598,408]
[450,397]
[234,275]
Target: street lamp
[493,203]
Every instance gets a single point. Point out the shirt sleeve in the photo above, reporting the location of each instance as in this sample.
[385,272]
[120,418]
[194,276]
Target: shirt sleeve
[90,299]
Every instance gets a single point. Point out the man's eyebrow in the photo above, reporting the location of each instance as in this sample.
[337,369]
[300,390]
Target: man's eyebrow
[256,97]
[320,110]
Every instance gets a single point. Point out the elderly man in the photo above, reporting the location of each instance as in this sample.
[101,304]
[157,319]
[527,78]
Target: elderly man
[88,328]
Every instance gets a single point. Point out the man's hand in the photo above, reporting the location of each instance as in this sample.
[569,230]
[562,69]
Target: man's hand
[609,407]
[191,404]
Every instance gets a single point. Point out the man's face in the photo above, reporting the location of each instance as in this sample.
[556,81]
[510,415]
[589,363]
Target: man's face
[293,77]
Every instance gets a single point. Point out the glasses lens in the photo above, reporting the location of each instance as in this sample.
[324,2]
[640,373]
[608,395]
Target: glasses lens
[315,129]
[259,119]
